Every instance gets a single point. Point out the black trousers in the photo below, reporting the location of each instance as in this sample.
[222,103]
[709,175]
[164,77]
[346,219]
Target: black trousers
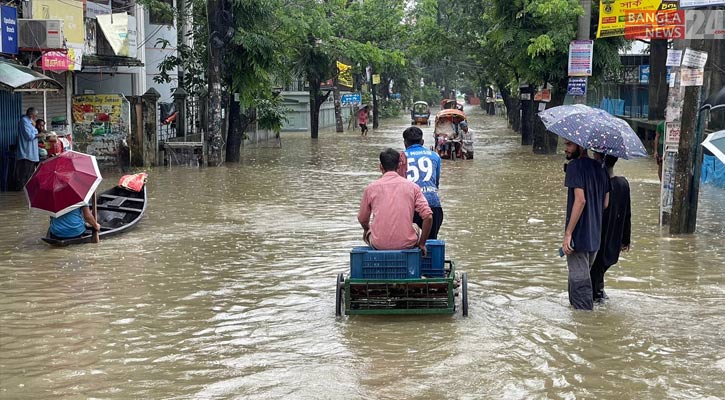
[597,275]
[437,221]
[23,171]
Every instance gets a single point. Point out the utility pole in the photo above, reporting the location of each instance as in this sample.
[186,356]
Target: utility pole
[213,142]
[583,28]
[527,114]
[689,155]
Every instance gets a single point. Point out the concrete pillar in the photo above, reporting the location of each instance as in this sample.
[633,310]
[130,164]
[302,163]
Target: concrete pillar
[135,140]
[150,146]
[180,106]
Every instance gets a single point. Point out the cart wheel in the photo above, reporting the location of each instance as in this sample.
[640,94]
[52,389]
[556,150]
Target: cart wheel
[339,298]
[464,294]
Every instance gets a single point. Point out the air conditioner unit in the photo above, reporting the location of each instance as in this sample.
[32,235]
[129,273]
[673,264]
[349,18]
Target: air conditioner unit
[40,34]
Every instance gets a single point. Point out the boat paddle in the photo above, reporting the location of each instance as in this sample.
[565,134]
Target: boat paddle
[96,237]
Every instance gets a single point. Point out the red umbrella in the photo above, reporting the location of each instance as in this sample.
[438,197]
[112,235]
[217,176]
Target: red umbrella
[63,183]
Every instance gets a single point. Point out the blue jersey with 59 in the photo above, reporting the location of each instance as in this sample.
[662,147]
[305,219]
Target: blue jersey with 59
[424,168]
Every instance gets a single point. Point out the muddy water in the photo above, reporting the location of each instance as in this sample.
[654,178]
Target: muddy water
[226,289]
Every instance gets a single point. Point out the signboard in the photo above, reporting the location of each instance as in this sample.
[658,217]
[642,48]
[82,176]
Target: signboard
[577,87]
[101,114]
[56,61]
[544,95]
[694,59]
[70,11]
[668,181]
[350,98]
[376,79]
[644,74]
[344,75]
[672,133]
[8,30]
[673,58]
[580,57]
[705,24]
[691,77]
[613,14]
[700,3]
[668,23]
[525,96]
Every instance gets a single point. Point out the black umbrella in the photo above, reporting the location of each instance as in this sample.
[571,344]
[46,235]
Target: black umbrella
[714,102]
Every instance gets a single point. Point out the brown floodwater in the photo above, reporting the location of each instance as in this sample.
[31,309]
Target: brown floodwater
[226,288]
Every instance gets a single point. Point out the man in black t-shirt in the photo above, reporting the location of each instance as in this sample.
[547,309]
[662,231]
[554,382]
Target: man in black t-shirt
[588,195]
[616,228]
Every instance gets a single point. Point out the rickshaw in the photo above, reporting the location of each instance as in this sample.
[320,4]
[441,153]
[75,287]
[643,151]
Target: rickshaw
[451,104]
[447,139]
[420,113]
[384,282]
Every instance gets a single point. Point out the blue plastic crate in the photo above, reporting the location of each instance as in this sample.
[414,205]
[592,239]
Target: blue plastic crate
[433,265]
[366,263]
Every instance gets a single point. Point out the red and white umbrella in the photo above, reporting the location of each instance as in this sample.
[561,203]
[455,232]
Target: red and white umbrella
[63,183]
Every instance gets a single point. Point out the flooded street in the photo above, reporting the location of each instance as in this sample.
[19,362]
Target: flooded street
[226,289]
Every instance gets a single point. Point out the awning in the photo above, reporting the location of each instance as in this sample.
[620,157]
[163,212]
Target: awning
[18,78]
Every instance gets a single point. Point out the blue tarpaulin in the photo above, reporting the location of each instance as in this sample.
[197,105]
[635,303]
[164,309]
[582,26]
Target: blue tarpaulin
[713,171]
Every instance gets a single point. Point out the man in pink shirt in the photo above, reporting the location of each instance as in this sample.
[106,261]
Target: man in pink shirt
[392,200]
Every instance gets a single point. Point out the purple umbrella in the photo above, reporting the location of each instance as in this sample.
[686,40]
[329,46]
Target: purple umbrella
[594,129]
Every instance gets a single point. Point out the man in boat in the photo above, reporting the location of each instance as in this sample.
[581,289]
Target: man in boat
[391,201]
[73,223]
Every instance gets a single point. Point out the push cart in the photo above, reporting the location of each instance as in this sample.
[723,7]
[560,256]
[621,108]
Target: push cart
[401,282]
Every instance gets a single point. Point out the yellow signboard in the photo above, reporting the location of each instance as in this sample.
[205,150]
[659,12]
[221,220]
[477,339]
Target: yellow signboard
[344,77]
[376,79]
[613,13]
[70,11]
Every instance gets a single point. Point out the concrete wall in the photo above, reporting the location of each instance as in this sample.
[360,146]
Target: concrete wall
[299,114]
[101,83]
[155,54]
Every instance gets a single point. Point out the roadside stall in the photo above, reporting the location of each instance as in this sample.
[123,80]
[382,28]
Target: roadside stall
[15,80]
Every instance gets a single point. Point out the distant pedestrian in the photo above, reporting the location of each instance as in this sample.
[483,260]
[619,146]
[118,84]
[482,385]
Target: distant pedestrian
[423,167]
[362,120]
[27,156]
[588,196]
[616,228]
[467,141]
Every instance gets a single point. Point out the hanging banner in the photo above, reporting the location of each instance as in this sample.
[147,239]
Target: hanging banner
[344,76]
[613,14]
[580,57]
[115,28]
[70,11]
[8,30]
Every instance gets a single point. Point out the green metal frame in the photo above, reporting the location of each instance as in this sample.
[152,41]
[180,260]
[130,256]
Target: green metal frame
[412,296]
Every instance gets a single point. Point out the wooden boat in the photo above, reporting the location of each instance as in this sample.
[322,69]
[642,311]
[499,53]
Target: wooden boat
[119,209]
